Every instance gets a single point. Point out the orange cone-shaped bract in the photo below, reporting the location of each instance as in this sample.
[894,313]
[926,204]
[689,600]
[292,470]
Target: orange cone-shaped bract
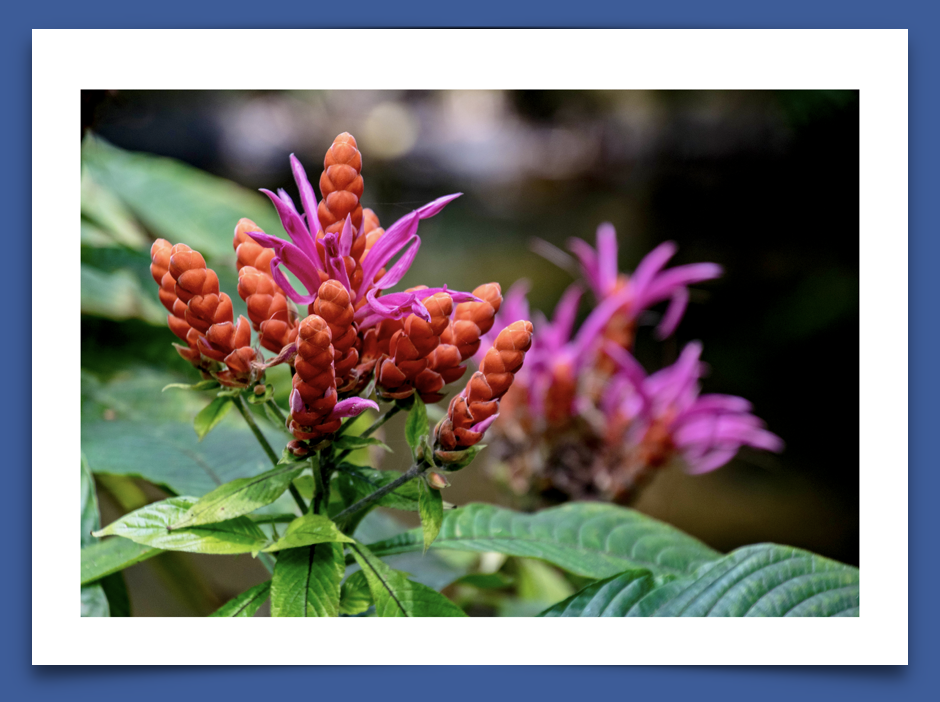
[461,339]
[249,252]
[406,367]
[334,306]
[314,394]
[271,313]
[201,314]
[341,186]
[467,415]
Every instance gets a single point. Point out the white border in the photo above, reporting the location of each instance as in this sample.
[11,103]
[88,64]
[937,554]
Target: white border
[874,61]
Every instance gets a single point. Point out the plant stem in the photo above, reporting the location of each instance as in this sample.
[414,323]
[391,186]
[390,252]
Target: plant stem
[392,411]
[250,421]
[277,411]
[409,475]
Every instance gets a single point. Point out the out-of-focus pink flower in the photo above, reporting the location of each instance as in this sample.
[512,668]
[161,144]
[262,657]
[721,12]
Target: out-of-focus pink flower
[667,416]
[649,284]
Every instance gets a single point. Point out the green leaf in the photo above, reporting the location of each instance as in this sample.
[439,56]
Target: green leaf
[211,415]
[590,539]
[208,384]
[355,596]
[240,496]
[396,596]
[245,604]
[351,443]
[174,200]
[431,508]
[306,486]
[306,581]
[356,482]
[118,295]
[112,555]
[115,589]
[113,220]
[90,519]
[763,580]
[307,530]
[151,526]
[168,454]
[416,425]
[94,601]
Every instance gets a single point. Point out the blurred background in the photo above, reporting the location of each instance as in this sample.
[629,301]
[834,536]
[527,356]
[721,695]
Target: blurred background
[763,183]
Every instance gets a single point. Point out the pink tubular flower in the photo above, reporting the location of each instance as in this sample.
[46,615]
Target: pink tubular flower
[314,256]
[667,415]
[649,284]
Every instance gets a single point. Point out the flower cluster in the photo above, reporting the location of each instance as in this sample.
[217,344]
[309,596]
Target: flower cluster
[584,420]
[353,329]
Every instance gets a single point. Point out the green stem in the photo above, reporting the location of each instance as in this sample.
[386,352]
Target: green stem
[250,421]
[321,487]
[277,411]
[409,475]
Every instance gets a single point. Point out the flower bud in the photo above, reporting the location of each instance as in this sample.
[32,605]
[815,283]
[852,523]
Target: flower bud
[437,481]
[472,411]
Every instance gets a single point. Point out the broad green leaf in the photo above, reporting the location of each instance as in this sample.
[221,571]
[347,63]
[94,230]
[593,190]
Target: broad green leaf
[355,596]
[611,597]
[593,540]
[90,519]
[351,443]
[112,555]
[356,482]
[118,295]
[431,508]
[307,530]
[115,589]
[135,394]
[396,596]
[93,235]
[112,218]
[306,581]
[416,425]
[168,454]
[94,601]
[306,486]
[151,526]
[245,604]
[240,496]
[211,415]
[437,568]
[764,580]
[175,200]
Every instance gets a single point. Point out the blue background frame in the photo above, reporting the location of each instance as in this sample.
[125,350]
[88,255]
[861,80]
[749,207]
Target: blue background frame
[25,682]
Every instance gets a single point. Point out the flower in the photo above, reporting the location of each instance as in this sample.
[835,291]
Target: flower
[315,256]
[667,416]
[647,286]
[583,418]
